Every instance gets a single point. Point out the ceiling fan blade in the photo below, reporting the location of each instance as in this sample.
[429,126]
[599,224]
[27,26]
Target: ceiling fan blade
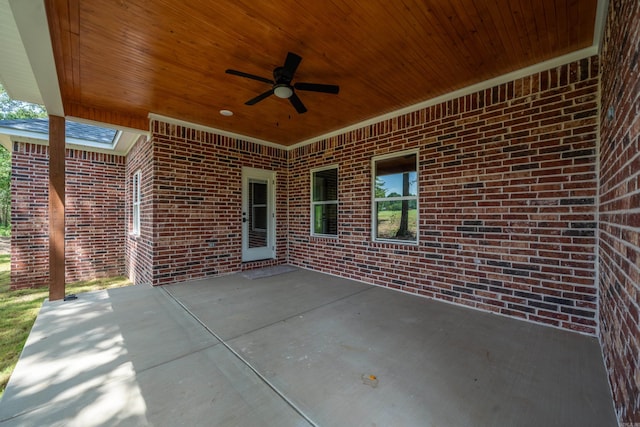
[315,87]
[260,97]
[249,76]
[297,104]
[291,63]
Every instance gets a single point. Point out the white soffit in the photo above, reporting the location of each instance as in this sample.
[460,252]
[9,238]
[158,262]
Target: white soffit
[16,73]
[31,21]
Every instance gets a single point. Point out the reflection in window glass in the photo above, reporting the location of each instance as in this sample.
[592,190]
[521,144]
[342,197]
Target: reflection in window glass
[396,198]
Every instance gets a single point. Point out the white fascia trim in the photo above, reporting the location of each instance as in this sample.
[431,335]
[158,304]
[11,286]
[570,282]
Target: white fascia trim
[505,78]
[31,136]
[601,22]
[178,122]
[91,144]
[43,139]
[116,139]
[37,136]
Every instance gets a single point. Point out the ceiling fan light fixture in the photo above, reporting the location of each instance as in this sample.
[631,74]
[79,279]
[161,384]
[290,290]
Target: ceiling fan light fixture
[283,91]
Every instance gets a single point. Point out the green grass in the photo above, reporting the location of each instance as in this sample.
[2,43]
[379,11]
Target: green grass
[18,311]
[389,222]
[5,231]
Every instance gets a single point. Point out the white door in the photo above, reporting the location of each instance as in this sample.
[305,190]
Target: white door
[258,214]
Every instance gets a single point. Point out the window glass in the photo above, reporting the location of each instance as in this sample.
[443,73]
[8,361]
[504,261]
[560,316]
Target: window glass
[136,202]
[324,202]
[395,209]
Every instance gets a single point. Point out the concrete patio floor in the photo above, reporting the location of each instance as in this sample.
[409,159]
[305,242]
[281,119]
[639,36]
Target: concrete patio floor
[297,349]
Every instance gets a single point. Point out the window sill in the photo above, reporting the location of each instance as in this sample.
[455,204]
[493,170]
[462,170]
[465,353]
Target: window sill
[324,236]
[389,243]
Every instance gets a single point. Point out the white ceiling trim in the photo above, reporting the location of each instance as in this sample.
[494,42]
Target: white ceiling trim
[505,78]
[178,122]
[601,21]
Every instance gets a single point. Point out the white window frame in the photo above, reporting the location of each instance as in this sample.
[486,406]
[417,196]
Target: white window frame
[258,205]
[324,202]
[135,202]
[375,200]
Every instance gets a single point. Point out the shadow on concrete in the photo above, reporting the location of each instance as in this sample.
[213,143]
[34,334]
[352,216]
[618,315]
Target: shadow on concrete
[297,349]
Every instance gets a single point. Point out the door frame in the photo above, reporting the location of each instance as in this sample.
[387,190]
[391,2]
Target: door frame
[269,251]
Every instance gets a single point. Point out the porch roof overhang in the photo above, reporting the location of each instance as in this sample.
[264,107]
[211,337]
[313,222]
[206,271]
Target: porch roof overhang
[127,62]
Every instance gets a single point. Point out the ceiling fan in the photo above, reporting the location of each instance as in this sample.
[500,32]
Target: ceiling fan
[281,84]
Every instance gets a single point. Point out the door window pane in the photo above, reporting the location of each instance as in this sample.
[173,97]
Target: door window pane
[258,216]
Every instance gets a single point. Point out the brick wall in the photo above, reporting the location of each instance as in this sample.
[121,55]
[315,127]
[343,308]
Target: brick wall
[619,229]
[197,202]
[139,248]
[29,216]
[507,200]
[94,235]
[94,215]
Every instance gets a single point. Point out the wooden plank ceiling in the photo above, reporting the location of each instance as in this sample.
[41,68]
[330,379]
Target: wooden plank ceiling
[119,60]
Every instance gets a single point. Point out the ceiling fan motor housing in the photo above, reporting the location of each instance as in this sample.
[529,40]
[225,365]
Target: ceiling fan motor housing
[282,76]
[281,84]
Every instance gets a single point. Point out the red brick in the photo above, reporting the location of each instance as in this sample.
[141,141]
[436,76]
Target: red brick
[619,271]
[94,215]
